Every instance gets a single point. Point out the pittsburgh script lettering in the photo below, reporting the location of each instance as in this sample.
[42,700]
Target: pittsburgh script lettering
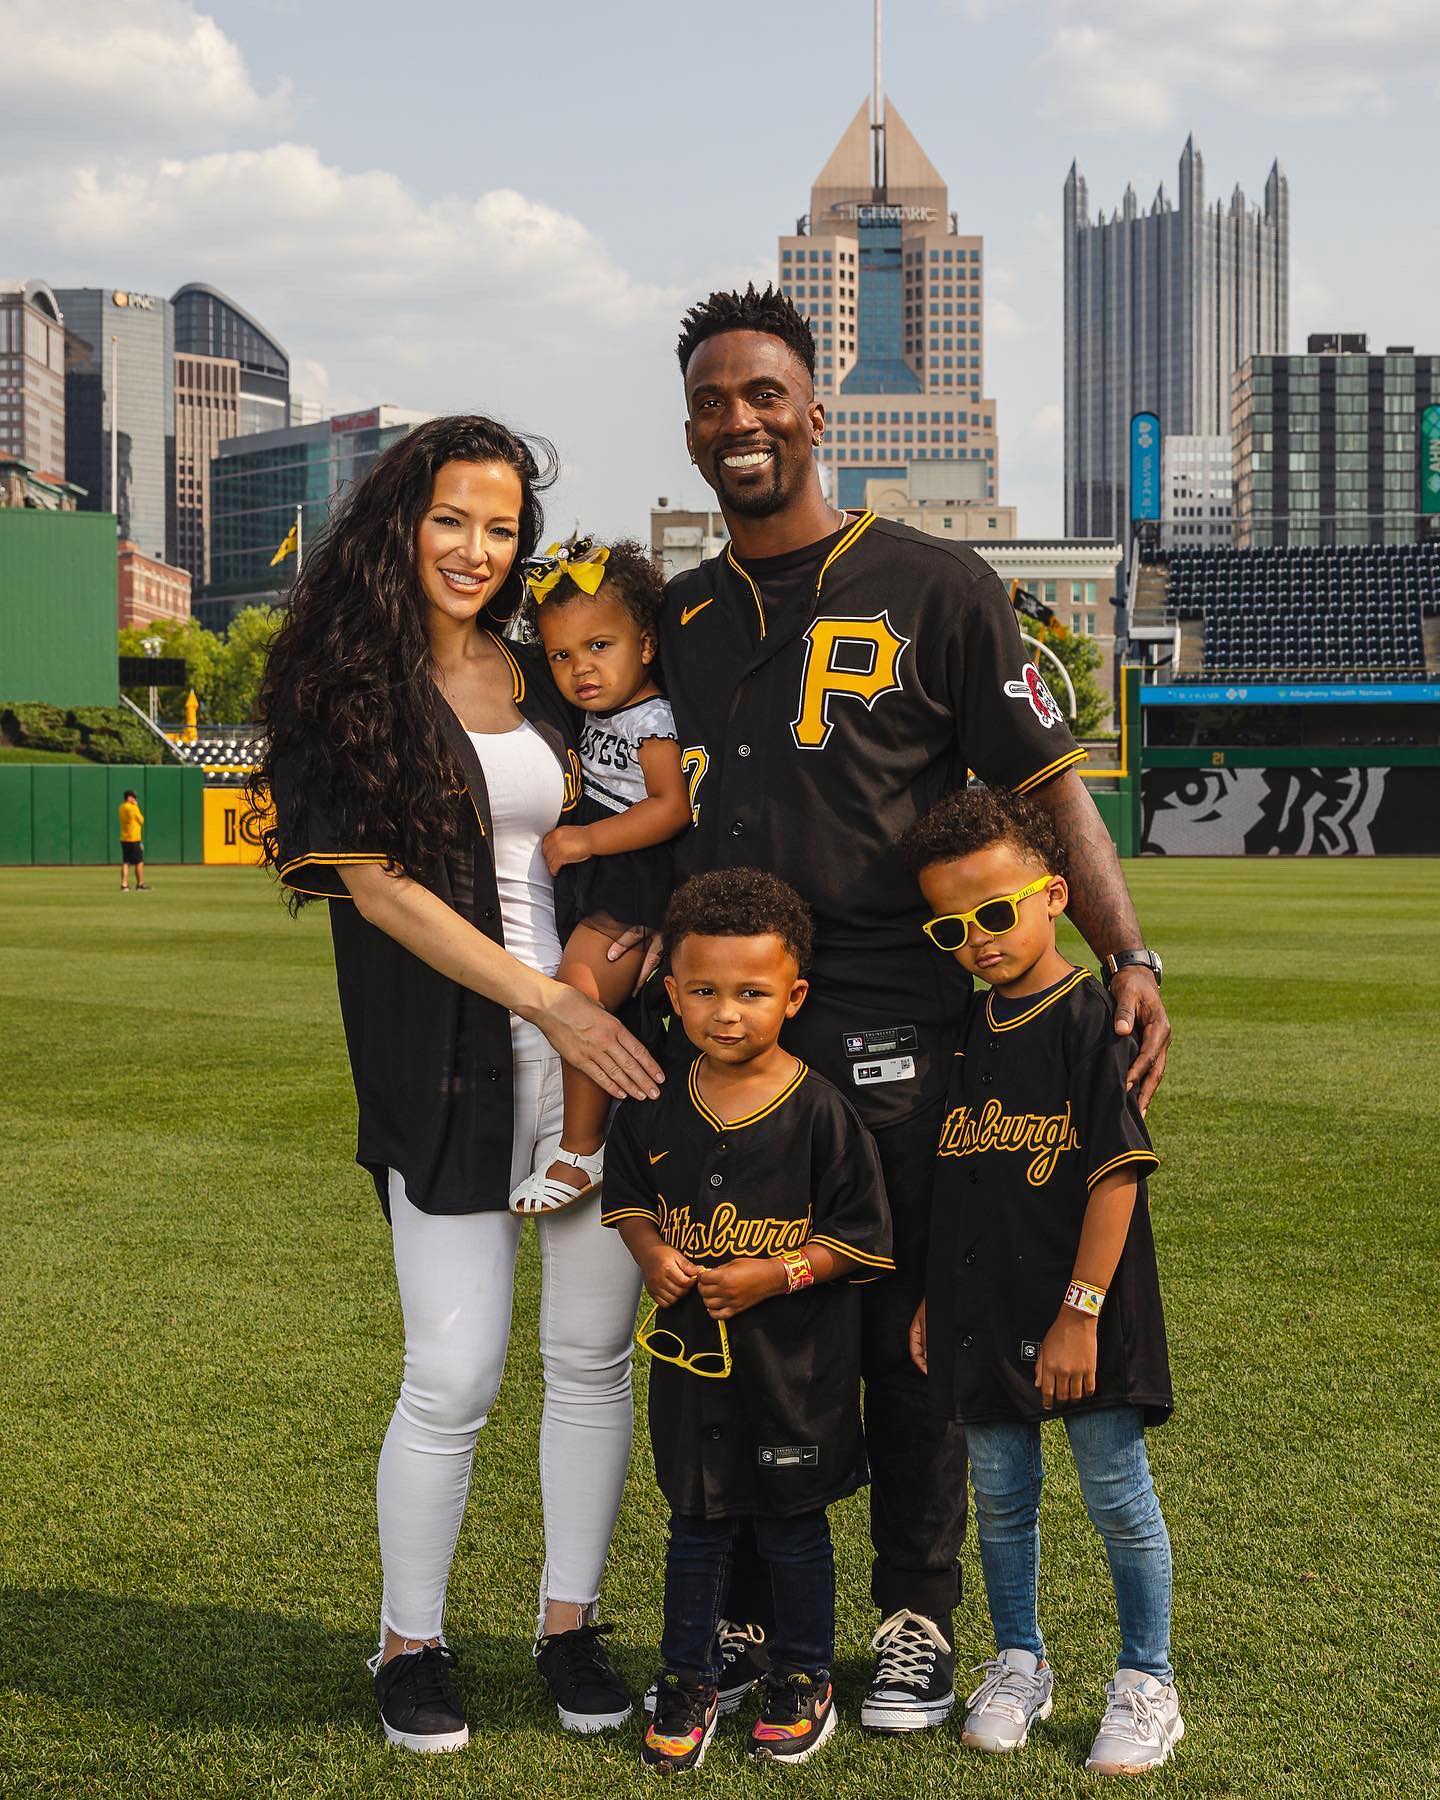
[1045,1136]
[726,1234]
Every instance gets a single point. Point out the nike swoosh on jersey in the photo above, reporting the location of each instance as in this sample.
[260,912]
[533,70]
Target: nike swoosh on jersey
[687,613]
[657,1158]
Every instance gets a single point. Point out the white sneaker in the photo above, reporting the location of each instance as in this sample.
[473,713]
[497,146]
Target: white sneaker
[1017,1690]
[1142,1725]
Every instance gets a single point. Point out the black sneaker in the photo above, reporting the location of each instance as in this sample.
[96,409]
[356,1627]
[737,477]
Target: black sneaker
[419,1708]
[797,1717]
[746,1660]
[913,1686]
[589,1694]
[678,1736]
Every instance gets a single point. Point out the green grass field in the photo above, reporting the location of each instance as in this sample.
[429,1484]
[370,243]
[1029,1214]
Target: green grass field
[201,1347]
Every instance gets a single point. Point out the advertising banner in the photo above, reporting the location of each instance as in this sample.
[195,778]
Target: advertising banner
[1144,466]
[1430,460]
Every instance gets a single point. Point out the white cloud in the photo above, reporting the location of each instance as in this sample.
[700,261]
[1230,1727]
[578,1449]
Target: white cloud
[1108,70]
[363,245]
[130,74]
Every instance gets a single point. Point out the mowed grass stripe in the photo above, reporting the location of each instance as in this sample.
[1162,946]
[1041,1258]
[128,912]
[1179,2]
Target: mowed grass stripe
[202,1346]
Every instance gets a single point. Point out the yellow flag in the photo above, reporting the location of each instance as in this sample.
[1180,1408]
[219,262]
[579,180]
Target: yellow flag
[287,548]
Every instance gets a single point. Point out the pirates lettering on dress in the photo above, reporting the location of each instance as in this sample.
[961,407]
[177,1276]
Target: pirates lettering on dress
[602,747]
[726,1233]
[1045,1136]
[872,645]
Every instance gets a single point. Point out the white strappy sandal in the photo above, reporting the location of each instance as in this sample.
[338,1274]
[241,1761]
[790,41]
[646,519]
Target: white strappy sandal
[541,1193]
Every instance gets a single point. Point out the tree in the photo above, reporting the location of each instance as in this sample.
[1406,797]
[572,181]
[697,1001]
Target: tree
[224,672]
[201,651]
[241,665]
[1081,657]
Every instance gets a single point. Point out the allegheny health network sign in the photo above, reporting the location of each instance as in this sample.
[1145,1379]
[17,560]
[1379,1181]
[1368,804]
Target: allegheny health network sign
[1145,466]
[1430,460]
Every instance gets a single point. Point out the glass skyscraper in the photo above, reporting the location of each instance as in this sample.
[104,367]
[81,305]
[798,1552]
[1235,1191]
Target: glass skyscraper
[894,295]
[99,322]
[1161,308]
[209,323]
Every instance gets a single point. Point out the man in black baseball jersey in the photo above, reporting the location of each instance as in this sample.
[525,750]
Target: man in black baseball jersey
[833,674]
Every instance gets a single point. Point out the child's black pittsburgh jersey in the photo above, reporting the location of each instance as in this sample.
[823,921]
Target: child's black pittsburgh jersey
[1037,1115]
[781,1434]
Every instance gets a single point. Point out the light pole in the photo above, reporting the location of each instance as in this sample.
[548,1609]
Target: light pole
[152,646]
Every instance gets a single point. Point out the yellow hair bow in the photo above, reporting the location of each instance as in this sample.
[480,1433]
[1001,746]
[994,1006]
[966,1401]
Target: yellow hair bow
[583,561]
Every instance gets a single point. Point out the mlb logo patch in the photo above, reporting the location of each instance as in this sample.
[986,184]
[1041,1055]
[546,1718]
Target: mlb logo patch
[854,1046]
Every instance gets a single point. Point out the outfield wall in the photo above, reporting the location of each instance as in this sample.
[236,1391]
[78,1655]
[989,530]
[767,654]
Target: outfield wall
[68,812]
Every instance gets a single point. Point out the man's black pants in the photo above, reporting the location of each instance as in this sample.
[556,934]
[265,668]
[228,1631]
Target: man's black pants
[917,1459]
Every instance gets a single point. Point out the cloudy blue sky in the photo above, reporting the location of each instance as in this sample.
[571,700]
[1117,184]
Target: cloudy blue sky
[507,206]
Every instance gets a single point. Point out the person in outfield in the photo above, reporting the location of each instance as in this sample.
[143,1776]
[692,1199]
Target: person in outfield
[132,847]
[832,675]
[751,1197]
[1042,1297]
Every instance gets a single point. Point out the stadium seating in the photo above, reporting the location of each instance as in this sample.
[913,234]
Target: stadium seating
[1334,613]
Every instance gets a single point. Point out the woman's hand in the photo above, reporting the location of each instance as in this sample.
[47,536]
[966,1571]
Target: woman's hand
[597,1044]
[565,844]
[630,939]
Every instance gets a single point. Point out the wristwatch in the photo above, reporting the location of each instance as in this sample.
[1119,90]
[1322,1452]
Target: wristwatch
[1132,959]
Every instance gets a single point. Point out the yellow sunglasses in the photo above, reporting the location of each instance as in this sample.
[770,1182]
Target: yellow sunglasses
[994,917]
[712,1365]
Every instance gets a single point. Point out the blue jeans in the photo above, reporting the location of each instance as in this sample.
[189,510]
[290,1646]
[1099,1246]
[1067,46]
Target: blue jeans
[697,1579]
[1007,1471]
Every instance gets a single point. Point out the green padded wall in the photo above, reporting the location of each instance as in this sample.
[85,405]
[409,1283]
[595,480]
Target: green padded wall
[58,608]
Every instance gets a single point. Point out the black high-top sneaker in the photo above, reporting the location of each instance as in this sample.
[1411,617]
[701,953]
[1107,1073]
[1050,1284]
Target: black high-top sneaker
[678,1736]
[746,1660]
[913,1686]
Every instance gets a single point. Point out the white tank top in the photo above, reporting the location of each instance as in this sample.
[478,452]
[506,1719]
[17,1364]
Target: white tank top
[527,790]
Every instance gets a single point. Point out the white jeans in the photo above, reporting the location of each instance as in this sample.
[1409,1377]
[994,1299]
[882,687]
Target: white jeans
[456,1275]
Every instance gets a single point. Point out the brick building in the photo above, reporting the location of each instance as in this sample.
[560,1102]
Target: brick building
[150,590]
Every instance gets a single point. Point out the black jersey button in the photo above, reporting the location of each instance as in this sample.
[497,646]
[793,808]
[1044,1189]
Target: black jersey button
[969,1256]
[489,912]
[742,749]
[966,1341]
[737,828]
[492,1074]
[987,1080]
[972,1176]
[721,1146]
[715,1180]
[994,1043]
[713,1433]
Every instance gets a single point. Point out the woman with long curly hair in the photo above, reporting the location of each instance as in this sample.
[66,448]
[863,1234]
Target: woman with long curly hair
[416,760]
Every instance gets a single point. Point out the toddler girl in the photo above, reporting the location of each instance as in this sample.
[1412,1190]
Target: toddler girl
[594,609]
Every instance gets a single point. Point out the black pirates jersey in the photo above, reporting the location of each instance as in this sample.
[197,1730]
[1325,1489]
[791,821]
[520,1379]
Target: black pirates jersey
[813,733]
[780,1434]
[1038,1114]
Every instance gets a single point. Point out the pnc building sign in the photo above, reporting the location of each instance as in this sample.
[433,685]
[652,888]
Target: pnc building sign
[135,302]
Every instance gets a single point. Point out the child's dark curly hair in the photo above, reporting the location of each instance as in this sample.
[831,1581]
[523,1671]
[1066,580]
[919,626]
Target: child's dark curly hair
[740,903]
[972,819]
[632,577]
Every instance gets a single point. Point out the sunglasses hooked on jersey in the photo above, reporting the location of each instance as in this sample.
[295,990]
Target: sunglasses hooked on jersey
[668,1346]
[951,931]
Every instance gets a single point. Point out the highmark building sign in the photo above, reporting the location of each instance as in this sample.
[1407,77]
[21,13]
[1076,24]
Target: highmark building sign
[863,213]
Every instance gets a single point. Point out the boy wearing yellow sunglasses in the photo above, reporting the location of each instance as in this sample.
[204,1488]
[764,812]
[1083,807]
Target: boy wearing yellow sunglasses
[751,1196]
[1042,1294]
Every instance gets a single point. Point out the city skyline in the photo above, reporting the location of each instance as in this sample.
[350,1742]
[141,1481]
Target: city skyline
[413,256]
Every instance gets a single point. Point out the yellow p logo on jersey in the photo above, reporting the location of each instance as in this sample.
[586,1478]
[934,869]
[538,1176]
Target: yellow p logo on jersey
[871,646]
